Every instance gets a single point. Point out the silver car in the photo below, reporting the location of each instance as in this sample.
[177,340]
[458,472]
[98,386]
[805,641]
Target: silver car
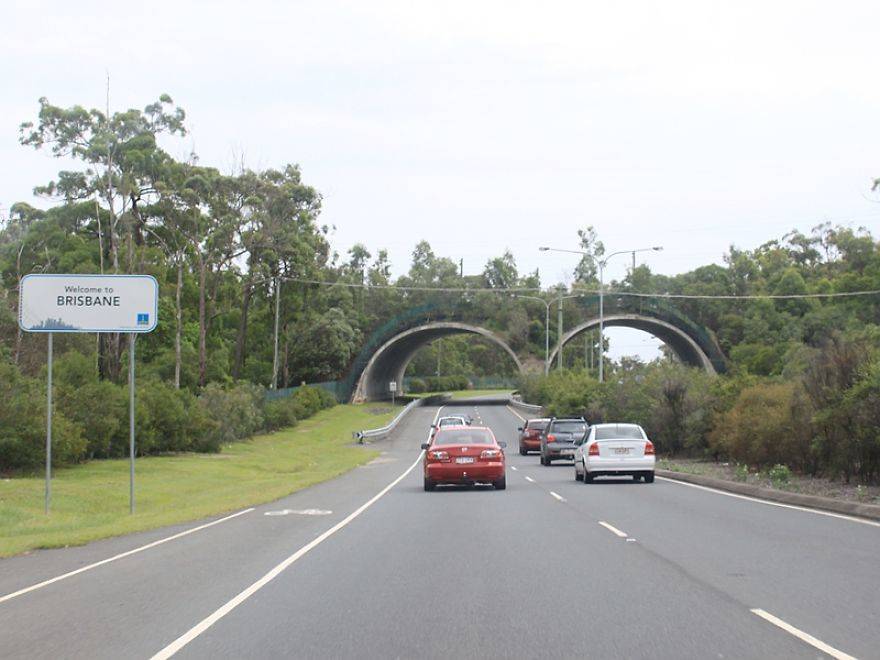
[614,449]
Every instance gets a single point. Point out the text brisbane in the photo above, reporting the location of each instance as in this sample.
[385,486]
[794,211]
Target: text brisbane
[88,301]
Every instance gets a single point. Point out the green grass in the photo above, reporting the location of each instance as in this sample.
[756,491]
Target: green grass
[463,394]
[90,501]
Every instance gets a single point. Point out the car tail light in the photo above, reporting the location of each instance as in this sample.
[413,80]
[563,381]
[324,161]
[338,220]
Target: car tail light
[594,449]
[441,456]
[490,454]
[649,448]
[551,438]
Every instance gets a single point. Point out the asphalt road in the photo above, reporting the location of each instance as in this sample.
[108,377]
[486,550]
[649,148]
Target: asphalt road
[549,568]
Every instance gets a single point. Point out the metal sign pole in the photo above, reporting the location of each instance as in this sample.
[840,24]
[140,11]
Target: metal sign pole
[131,337]
[49,426]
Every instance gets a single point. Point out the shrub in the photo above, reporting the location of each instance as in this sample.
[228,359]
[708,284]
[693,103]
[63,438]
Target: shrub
[779,475]
[417,386]
[279,414]
[101,410]
[237,411]
[23,426]
[761,428]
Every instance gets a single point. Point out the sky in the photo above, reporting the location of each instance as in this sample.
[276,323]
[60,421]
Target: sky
[482,126]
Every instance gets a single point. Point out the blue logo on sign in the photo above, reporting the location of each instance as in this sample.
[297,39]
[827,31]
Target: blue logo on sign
[143,319]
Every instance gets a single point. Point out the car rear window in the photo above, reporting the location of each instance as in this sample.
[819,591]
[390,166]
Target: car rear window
[451,421]
[464,437]
[536,425]
[619,432]
[570,427]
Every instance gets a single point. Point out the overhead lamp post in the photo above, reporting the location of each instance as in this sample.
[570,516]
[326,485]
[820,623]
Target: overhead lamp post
[547,306]
[602,265]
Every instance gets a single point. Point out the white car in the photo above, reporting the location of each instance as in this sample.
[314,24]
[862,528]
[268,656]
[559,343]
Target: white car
[450,420]
[614,449]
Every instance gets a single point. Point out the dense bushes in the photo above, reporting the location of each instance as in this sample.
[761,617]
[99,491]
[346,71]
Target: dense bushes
[821,415]
[91,417]
[437,384]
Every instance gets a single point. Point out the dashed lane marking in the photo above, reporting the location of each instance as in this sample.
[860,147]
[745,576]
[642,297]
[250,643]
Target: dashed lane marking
[557,496]
[613,529]
[529,479]
[801,635]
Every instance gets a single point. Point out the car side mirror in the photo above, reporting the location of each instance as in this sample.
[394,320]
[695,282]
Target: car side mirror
[502,444]
[433,426]
[425,445]
[519,428]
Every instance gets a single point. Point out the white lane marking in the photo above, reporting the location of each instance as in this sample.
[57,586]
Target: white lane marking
[613,529]
[514,468]
[530,479]
[299,512]
[121,555]
[557,496]
[517,414]
[801,635]
[218,614]
[779,504]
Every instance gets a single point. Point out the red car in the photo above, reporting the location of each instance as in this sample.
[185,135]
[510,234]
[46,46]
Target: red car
[464,455]
[530,434]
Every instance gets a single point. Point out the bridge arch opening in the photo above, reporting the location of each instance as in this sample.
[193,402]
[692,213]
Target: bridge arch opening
[685,347]
[389,362]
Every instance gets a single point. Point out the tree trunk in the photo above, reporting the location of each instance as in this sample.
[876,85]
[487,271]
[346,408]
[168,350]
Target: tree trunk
[179,320]
[241,340]
[203,323]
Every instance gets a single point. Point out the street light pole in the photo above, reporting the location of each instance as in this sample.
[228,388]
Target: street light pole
[546,327]
[601,265]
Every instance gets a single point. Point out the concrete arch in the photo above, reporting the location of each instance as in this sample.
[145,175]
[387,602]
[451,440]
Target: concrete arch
[390,360]
[686,347]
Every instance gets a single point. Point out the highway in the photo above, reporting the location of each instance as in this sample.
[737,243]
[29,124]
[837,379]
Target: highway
[371,566]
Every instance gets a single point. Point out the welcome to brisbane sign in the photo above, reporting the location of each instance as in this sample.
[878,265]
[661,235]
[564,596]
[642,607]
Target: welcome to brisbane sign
[88,303]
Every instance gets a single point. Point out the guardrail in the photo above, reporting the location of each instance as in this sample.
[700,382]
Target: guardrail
[527,407]
[381,432]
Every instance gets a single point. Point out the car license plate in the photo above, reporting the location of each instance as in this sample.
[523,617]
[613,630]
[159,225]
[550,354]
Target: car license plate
[621,450]
[464,459]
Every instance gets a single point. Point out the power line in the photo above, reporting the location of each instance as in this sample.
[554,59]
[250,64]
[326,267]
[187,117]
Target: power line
[584,292]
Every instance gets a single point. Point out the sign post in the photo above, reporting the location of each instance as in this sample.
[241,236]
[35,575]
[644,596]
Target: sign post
[392,387]
[88,303]
[49,424]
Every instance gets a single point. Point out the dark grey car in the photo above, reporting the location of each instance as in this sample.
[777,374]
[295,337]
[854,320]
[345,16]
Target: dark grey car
[558,439]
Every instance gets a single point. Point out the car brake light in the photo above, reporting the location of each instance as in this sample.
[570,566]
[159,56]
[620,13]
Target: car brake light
[490,453]
[594,450]
[649,448]
[441,456]
[551,438]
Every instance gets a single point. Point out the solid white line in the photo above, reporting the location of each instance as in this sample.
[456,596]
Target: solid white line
[517,414]
[830,514]
[218,614]
[613,529]
[530,479]
[121,555]
[557,496]
[804,637]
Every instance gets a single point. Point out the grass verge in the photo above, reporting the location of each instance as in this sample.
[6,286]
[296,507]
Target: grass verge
[90,501]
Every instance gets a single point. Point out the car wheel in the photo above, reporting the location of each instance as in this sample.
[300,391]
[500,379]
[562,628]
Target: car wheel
[577,475]
[501,484]
[522,451]
[637,478]
[649,477]
[429,485]
[588,478]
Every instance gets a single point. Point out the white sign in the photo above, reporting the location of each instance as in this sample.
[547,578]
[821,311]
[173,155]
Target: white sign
[88,303]
[392,386]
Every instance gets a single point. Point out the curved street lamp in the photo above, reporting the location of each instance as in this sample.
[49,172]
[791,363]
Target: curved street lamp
[601,265]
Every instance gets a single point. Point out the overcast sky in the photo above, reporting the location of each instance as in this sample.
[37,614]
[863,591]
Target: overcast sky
[481,126]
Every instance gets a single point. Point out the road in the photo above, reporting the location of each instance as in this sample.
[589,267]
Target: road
[549,568]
